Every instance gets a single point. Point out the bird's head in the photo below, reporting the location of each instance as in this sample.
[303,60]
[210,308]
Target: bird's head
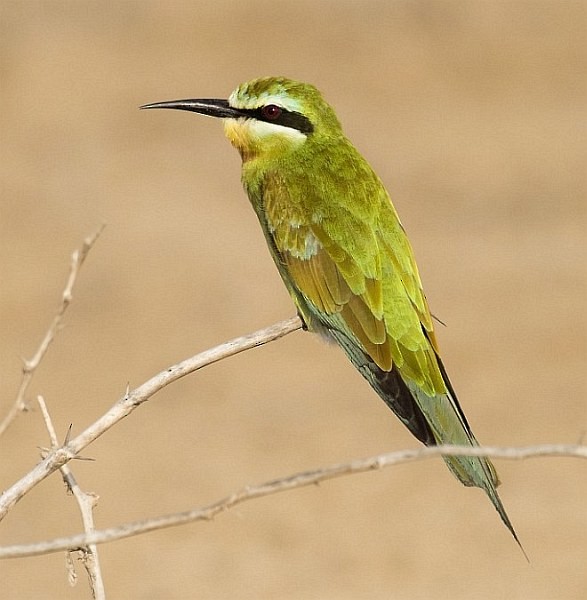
[268,117]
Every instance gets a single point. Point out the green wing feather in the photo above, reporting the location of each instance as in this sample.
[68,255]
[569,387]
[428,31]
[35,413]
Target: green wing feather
[357,264]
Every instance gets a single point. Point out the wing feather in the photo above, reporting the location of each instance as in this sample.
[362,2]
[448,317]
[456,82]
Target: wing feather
[359,268]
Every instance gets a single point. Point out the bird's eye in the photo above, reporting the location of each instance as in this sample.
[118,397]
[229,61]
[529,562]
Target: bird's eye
[271,112]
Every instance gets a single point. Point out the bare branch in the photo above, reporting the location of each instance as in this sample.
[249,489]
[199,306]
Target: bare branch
[29,366]
[86,502]
[133,399]
[283,484]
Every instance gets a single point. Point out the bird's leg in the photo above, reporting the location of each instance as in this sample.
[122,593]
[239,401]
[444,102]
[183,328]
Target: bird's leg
[304,324]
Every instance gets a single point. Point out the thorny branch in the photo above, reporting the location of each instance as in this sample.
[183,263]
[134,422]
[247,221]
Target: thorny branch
[58,456]
[132,399]
[86,502]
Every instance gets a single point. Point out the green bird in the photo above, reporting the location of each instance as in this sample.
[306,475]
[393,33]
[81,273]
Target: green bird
[344,256]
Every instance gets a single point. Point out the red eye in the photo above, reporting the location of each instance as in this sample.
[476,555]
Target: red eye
[271,112]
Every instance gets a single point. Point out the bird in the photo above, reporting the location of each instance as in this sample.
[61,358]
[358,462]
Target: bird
[344,256]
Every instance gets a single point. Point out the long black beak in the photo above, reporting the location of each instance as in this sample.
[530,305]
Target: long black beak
[206,106]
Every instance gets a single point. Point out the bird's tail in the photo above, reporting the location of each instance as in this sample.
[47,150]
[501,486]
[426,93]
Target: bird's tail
[449,425]
[433,420]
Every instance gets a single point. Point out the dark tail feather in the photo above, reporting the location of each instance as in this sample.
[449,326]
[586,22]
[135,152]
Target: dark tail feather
[391,388]
[395,393]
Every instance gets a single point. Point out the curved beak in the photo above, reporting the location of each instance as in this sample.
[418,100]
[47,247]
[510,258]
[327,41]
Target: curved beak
[206,106]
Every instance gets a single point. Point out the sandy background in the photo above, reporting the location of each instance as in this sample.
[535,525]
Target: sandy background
[473,113]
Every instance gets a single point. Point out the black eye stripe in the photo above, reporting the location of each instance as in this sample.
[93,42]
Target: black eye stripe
[287,118]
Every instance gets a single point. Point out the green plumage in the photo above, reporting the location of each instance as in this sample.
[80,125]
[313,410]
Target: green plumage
[344,256]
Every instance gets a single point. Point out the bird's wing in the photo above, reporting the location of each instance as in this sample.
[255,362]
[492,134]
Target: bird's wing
[364,273]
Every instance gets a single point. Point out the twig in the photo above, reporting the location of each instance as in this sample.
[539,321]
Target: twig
[283,484]
[86,503]
[29,366]
[133,399]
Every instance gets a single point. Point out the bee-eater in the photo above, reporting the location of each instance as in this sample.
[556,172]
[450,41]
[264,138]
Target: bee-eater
[344,256]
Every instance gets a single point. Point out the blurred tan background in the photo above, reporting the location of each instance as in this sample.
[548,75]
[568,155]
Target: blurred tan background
[473,114]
